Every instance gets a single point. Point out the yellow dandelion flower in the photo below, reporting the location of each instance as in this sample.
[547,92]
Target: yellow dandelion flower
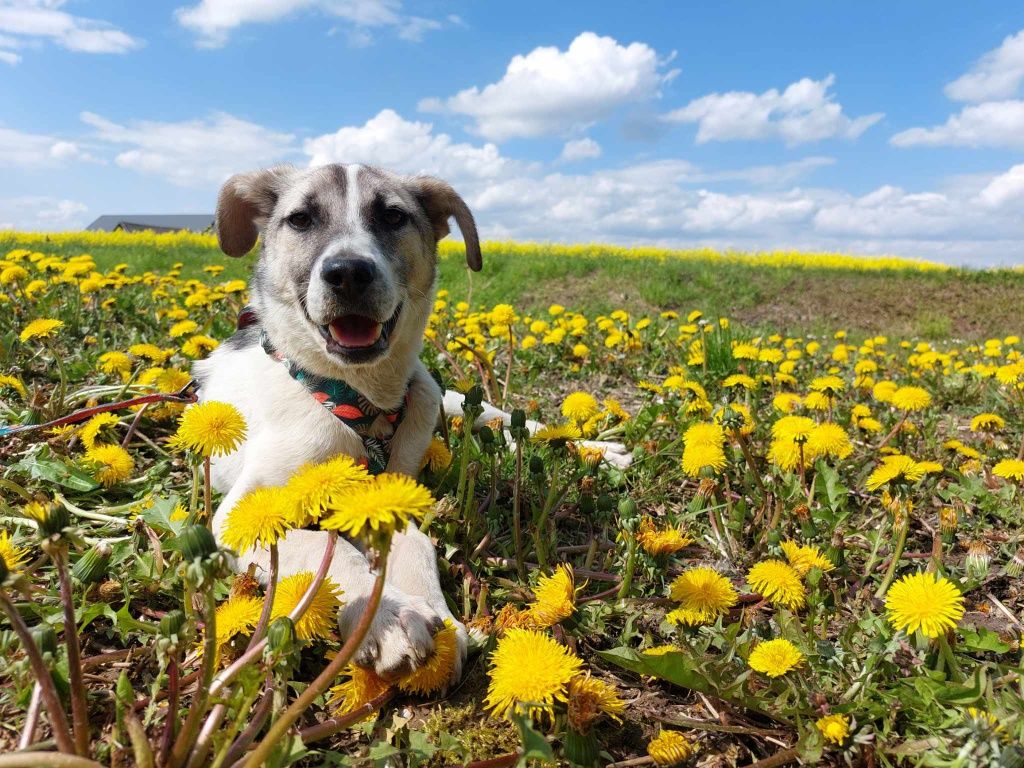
[14,383]
[554,598]
[579,407]
[41,328]
[197,346]
[150,352]
[803,557]
[529,667]
[110,463]
[787,402]
[503,314]
[236,616]
[115,362]
[436,672]
[437,456]
[91,429]
[384,504]
[260,518]
[361,687]
[911,399]
[183,328]
[987,422]
[589,698]
[775,657]
[670,748]
[701,457]
[926,602]
[828,385]
[320,617]
[795,428]
[834,727]
[739,380]
[556,434]
[897,467]
[703,591]
[211,428]
[777,582]
[314,485]
[829,439]
[660,542]
[1011,469]
[13,556]
[786,454]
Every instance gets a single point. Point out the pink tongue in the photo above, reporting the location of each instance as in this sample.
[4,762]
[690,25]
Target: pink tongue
[355,331]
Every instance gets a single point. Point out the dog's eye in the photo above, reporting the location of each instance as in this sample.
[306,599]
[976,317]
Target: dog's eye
[300,221]
[393,218]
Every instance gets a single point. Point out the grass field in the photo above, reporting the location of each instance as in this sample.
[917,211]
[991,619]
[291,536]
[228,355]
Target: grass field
[788,292]
[815,555]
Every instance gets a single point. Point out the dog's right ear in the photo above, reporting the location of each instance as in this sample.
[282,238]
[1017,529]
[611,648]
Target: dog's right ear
[244,203]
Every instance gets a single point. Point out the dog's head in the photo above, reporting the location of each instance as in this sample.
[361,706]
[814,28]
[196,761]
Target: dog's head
[346,271]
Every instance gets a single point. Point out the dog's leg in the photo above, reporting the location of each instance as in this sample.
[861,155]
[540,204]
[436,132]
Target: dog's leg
[614,453]
[402,633]
[413,560]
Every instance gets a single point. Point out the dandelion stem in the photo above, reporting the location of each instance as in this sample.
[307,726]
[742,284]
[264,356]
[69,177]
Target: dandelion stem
[28,733]
[239,664]
[517,511]
[897,552]
[58,718]
[46,760]
[79,702]
[893,433]
[207,491]
[197,708]
[276,734]
[268,598]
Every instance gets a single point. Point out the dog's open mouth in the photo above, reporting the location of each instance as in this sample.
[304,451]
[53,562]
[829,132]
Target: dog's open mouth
[358,337]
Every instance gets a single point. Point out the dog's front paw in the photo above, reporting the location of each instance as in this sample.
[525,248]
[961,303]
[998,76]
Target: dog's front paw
[615,454]
[401,636]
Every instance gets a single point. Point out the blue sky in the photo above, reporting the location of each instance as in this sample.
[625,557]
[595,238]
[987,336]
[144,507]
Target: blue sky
[868,127]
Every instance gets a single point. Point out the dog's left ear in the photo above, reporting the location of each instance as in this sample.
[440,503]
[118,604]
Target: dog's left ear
[245,202]
[441,203]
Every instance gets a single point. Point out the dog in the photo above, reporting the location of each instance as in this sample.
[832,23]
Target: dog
[341,293]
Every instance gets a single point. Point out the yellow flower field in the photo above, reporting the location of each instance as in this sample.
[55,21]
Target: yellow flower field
[816,553]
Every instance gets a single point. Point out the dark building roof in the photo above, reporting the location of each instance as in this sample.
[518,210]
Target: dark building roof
[161,222]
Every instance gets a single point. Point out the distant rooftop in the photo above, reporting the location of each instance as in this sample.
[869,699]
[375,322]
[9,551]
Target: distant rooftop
[160,222]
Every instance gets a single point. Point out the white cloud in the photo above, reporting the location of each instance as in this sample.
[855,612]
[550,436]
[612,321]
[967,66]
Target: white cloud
[991,124]
[1005,188]
[549,91]
[34,150]
[804,112]
[214,20]
[39,212]
[996,75]
[580,149]
[192,153]
[43,19]
[391,141]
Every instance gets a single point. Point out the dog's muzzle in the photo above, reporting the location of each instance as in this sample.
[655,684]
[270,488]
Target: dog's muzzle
[359,338]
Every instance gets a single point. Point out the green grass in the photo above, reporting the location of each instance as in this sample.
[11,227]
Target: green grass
[967,304]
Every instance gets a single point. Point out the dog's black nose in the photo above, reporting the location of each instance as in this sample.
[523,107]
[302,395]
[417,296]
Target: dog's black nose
[348,273]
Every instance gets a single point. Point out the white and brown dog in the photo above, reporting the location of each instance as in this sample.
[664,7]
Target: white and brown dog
[341,293]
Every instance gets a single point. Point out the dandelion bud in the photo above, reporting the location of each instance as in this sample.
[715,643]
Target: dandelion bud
[707,488]
[605,503]
[518,419]
[45,639]
[51,518]
[536,465]
[978,560]
[172,623]
[197,543]
[281,635]
[802,512]
[580,749]
[92,566]
[486,435]
[947,520]
[474,397]
[586,501]
[1015,567]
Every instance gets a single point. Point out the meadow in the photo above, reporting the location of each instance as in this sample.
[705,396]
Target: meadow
[815,555]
